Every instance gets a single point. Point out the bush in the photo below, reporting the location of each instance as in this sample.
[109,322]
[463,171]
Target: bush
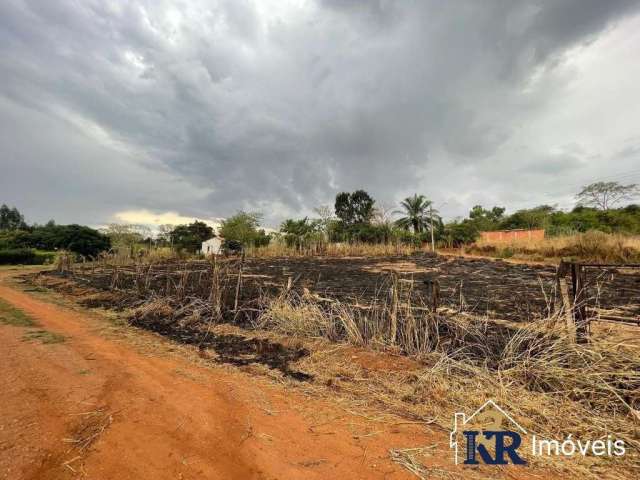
[15,239]
[360,232]
[17,256]
[460,233]
[25,256]
[44,258]
[231,247]
[409,238]
[77,238]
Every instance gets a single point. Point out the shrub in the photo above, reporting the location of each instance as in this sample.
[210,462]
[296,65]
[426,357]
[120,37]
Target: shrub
[77,238]
[44,258]
[460,233]
[25,256]
[232,247]
[17,256]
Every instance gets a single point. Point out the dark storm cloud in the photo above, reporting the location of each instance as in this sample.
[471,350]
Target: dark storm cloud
[206,107]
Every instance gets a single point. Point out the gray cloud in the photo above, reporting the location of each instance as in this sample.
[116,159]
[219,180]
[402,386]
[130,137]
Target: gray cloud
[206,107]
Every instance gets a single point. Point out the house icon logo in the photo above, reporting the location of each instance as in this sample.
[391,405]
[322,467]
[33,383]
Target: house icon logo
[489,436]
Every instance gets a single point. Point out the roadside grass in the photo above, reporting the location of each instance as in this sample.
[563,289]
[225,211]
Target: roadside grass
[43,336]
[10,315]
[24,267]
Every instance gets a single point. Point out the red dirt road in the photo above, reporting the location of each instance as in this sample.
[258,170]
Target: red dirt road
[94,407]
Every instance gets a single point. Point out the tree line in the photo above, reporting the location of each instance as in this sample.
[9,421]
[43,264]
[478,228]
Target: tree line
[23,243]
[354,217]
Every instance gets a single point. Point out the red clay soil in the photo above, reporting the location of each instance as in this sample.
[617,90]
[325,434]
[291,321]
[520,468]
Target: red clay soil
[136,416]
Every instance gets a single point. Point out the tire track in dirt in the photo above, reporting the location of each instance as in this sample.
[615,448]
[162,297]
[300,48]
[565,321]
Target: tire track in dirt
[145,421]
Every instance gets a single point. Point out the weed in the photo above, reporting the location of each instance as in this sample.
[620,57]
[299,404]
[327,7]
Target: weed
[43,336]
[10,315]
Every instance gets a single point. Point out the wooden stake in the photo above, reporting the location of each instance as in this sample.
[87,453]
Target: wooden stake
[433,292]
[565,304]
[581,319]
[394,308]
[239,283]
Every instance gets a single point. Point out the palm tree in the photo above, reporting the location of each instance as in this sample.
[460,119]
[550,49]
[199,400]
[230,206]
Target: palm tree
[417,211]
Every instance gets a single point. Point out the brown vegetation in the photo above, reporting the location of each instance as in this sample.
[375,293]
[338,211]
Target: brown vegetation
[592,246]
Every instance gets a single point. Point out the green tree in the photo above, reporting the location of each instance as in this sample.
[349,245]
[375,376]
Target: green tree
[190,237]
[458,233]
[354,208]
[417,211]
[484,219]
[164,233]
[76,238]
[243,228]
[124,236]
[537,217]
[300,233]
[326,218]
[604,195]
[11,219]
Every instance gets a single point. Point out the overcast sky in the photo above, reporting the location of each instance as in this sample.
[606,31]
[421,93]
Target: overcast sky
[164,111]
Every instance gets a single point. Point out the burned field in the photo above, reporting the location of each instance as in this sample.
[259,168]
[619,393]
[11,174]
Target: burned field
[459,331]
[384,302]
[491,288]
[411,304]
[484,287]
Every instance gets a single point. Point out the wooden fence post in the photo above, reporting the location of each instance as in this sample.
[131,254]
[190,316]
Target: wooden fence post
[566,305]
[239,283]
[394,308]
[433,293]
[580,316]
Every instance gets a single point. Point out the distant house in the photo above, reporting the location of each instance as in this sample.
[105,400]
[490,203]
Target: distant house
[511,235]
[213,246]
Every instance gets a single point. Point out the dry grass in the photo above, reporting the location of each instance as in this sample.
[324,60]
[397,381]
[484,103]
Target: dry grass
[278,249]
[591,246]
[556,387]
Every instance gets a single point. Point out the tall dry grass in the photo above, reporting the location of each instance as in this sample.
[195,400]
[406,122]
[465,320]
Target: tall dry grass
[592,246]
[278,249]
[554,385]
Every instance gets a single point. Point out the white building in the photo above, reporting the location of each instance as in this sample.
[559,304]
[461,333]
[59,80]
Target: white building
[213,246]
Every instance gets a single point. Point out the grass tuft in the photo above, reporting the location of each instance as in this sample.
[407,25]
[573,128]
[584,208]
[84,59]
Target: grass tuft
[10,315]
[43,336]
